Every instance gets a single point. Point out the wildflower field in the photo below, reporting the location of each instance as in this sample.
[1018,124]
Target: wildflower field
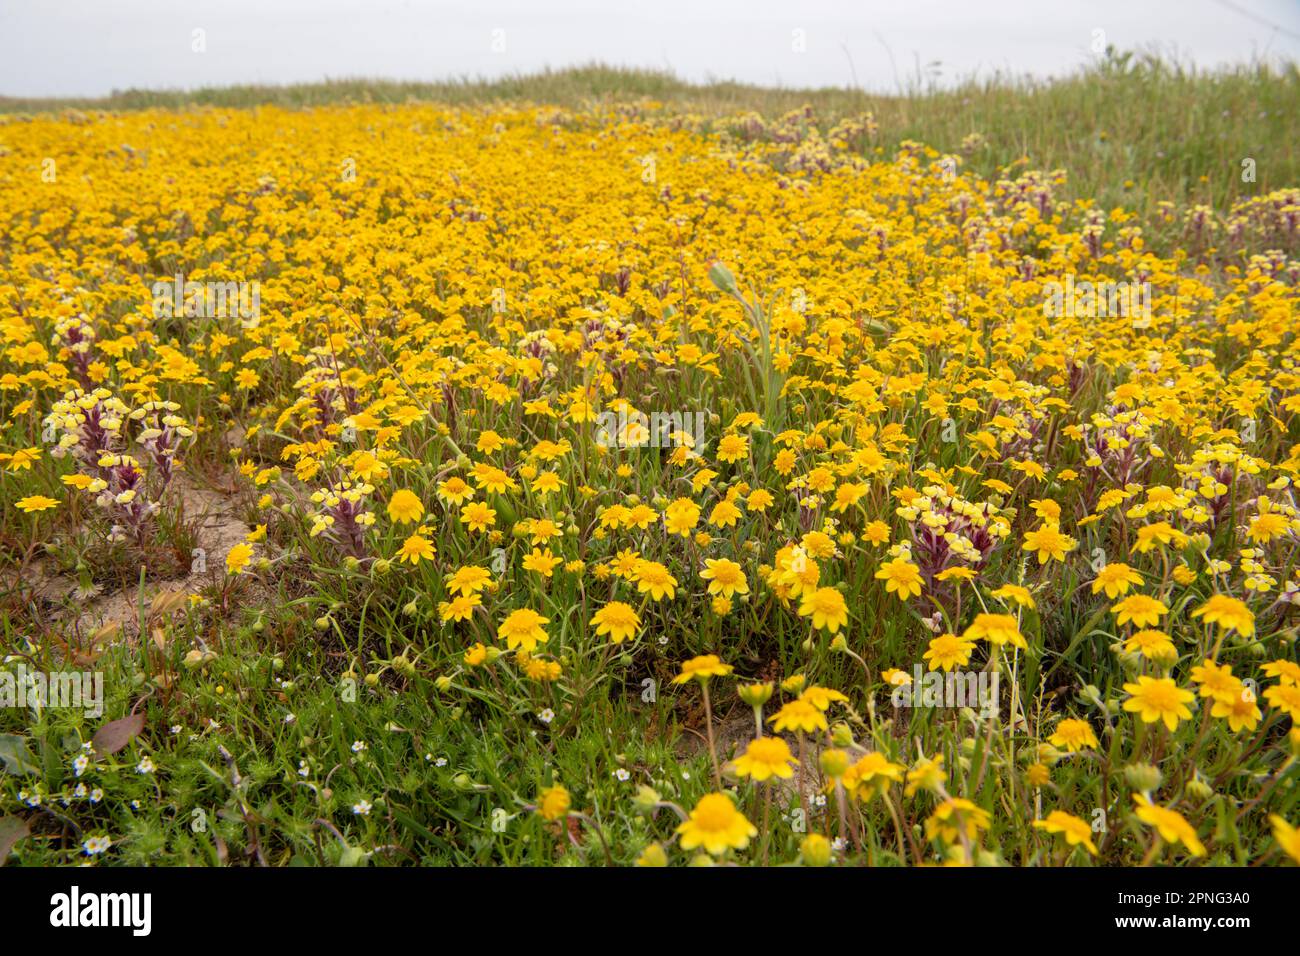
[523,485]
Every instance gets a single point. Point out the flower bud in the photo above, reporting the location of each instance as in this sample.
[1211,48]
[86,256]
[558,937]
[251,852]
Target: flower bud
[645,800]
[815,850]
[834,762]
[653,855]
[1198,790]
[755,695]
[1143,777]
[1091,694]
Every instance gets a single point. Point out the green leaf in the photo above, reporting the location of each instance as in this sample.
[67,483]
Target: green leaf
[15,756]
[721,276]
[353,856]
[12,830]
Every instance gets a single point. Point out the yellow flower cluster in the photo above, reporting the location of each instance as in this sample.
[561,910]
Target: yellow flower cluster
[561,381]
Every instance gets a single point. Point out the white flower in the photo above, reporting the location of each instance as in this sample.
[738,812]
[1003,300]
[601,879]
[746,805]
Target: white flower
[546,716]
[96,845]
[80,764]
[622,775]
[145,765]
[361,808]
[358,746]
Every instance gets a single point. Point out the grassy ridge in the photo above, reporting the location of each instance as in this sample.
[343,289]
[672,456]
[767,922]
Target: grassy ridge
[1130,130]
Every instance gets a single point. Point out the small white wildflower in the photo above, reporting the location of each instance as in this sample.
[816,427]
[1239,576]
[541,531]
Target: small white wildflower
[546,716]
[358,746]
[362,808]
[145,765]
[96,845]
[622,775]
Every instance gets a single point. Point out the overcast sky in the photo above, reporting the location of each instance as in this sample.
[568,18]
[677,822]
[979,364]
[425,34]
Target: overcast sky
[91,47]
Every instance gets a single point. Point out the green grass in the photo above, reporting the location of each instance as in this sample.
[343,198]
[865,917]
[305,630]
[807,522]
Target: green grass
[280,692]
[1170,131]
